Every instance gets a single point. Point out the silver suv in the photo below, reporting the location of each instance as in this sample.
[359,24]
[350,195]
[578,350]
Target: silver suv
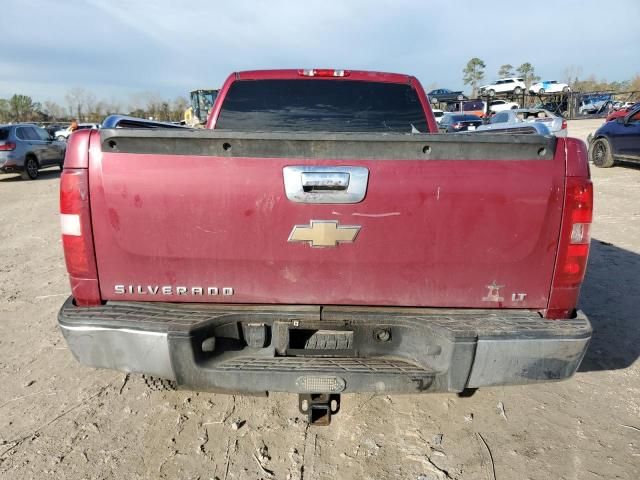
[504,85]
[26,148]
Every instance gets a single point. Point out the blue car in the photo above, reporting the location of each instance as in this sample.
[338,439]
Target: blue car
[618,139]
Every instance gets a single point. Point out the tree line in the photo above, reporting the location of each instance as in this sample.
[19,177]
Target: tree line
[83,106]
[474,73]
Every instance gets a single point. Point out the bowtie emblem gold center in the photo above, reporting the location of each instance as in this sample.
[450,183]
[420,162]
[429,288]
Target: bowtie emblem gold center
[324,233]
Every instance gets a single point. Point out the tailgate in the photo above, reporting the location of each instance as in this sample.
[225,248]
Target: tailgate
[444,220]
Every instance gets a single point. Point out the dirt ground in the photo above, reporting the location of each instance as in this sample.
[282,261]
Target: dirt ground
[59,419]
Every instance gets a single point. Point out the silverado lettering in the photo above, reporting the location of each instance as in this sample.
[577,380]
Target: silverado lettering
[444,262]
[169,290]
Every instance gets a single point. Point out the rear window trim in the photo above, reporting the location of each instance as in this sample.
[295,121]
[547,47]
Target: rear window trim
[322,146]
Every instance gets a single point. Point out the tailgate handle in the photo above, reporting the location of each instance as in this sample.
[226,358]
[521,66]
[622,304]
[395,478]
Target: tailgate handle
[325,184]
[323,181]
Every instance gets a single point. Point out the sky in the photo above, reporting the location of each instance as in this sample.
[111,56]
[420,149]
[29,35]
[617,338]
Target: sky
[118,49]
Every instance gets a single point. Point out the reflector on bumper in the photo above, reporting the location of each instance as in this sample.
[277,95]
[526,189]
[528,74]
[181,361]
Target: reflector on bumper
[315,384]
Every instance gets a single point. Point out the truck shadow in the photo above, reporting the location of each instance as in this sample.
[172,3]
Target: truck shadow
[46,174]
[609,297]
[633,165]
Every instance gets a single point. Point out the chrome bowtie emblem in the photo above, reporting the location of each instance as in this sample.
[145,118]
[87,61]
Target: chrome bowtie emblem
[324,233]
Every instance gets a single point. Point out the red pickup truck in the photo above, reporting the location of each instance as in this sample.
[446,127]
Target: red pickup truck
[320,237]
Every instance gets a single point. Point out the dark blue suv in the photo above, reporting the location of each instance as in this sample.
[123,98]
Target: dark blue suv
[618,139]
[27,148]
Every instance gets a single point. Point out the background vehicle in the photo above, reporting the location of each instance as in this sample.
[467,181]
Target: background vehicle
[62,135]
[619,105]
[53,128]
[201,102]
[595,103]
[622,111]
[618,139]
[438,114]
[558,107]
[26,148]
[504,85]
[445,95]
[500,105]
[549,86]
[459,122]
[471,107]
[554,124]
[320,246]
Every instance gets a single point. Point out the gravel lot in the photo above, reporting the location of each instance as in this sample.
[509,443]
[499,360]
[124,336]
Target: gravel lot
[61,420]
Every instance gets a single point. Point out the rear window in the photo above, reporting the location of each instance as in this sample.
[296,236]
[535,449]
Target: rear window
[321,106]
[4,133]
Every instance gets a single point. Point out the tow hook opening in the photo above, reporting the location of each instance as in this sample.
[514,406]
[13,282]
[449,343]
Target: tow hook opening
[319,407]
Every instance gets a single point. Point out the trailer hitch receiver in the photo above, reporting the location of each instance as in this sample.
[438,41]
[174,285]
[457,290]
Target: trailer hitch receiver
[318,407]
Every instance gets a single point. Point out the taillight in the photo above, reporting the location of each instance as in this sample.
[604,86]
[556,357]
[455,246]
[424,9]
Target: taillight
[77,239]
[457,126]
[564,124]
[580,203]
[323,72]
[7,147]
[573,248]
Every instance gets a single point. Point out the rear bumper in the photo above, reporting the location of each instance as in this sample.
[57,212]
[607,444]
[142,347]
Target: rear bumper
[10,163]
[255,349]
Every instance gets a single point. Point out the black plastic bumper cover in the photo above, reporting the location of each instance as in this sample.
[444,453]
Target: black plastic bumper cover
[304,349]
